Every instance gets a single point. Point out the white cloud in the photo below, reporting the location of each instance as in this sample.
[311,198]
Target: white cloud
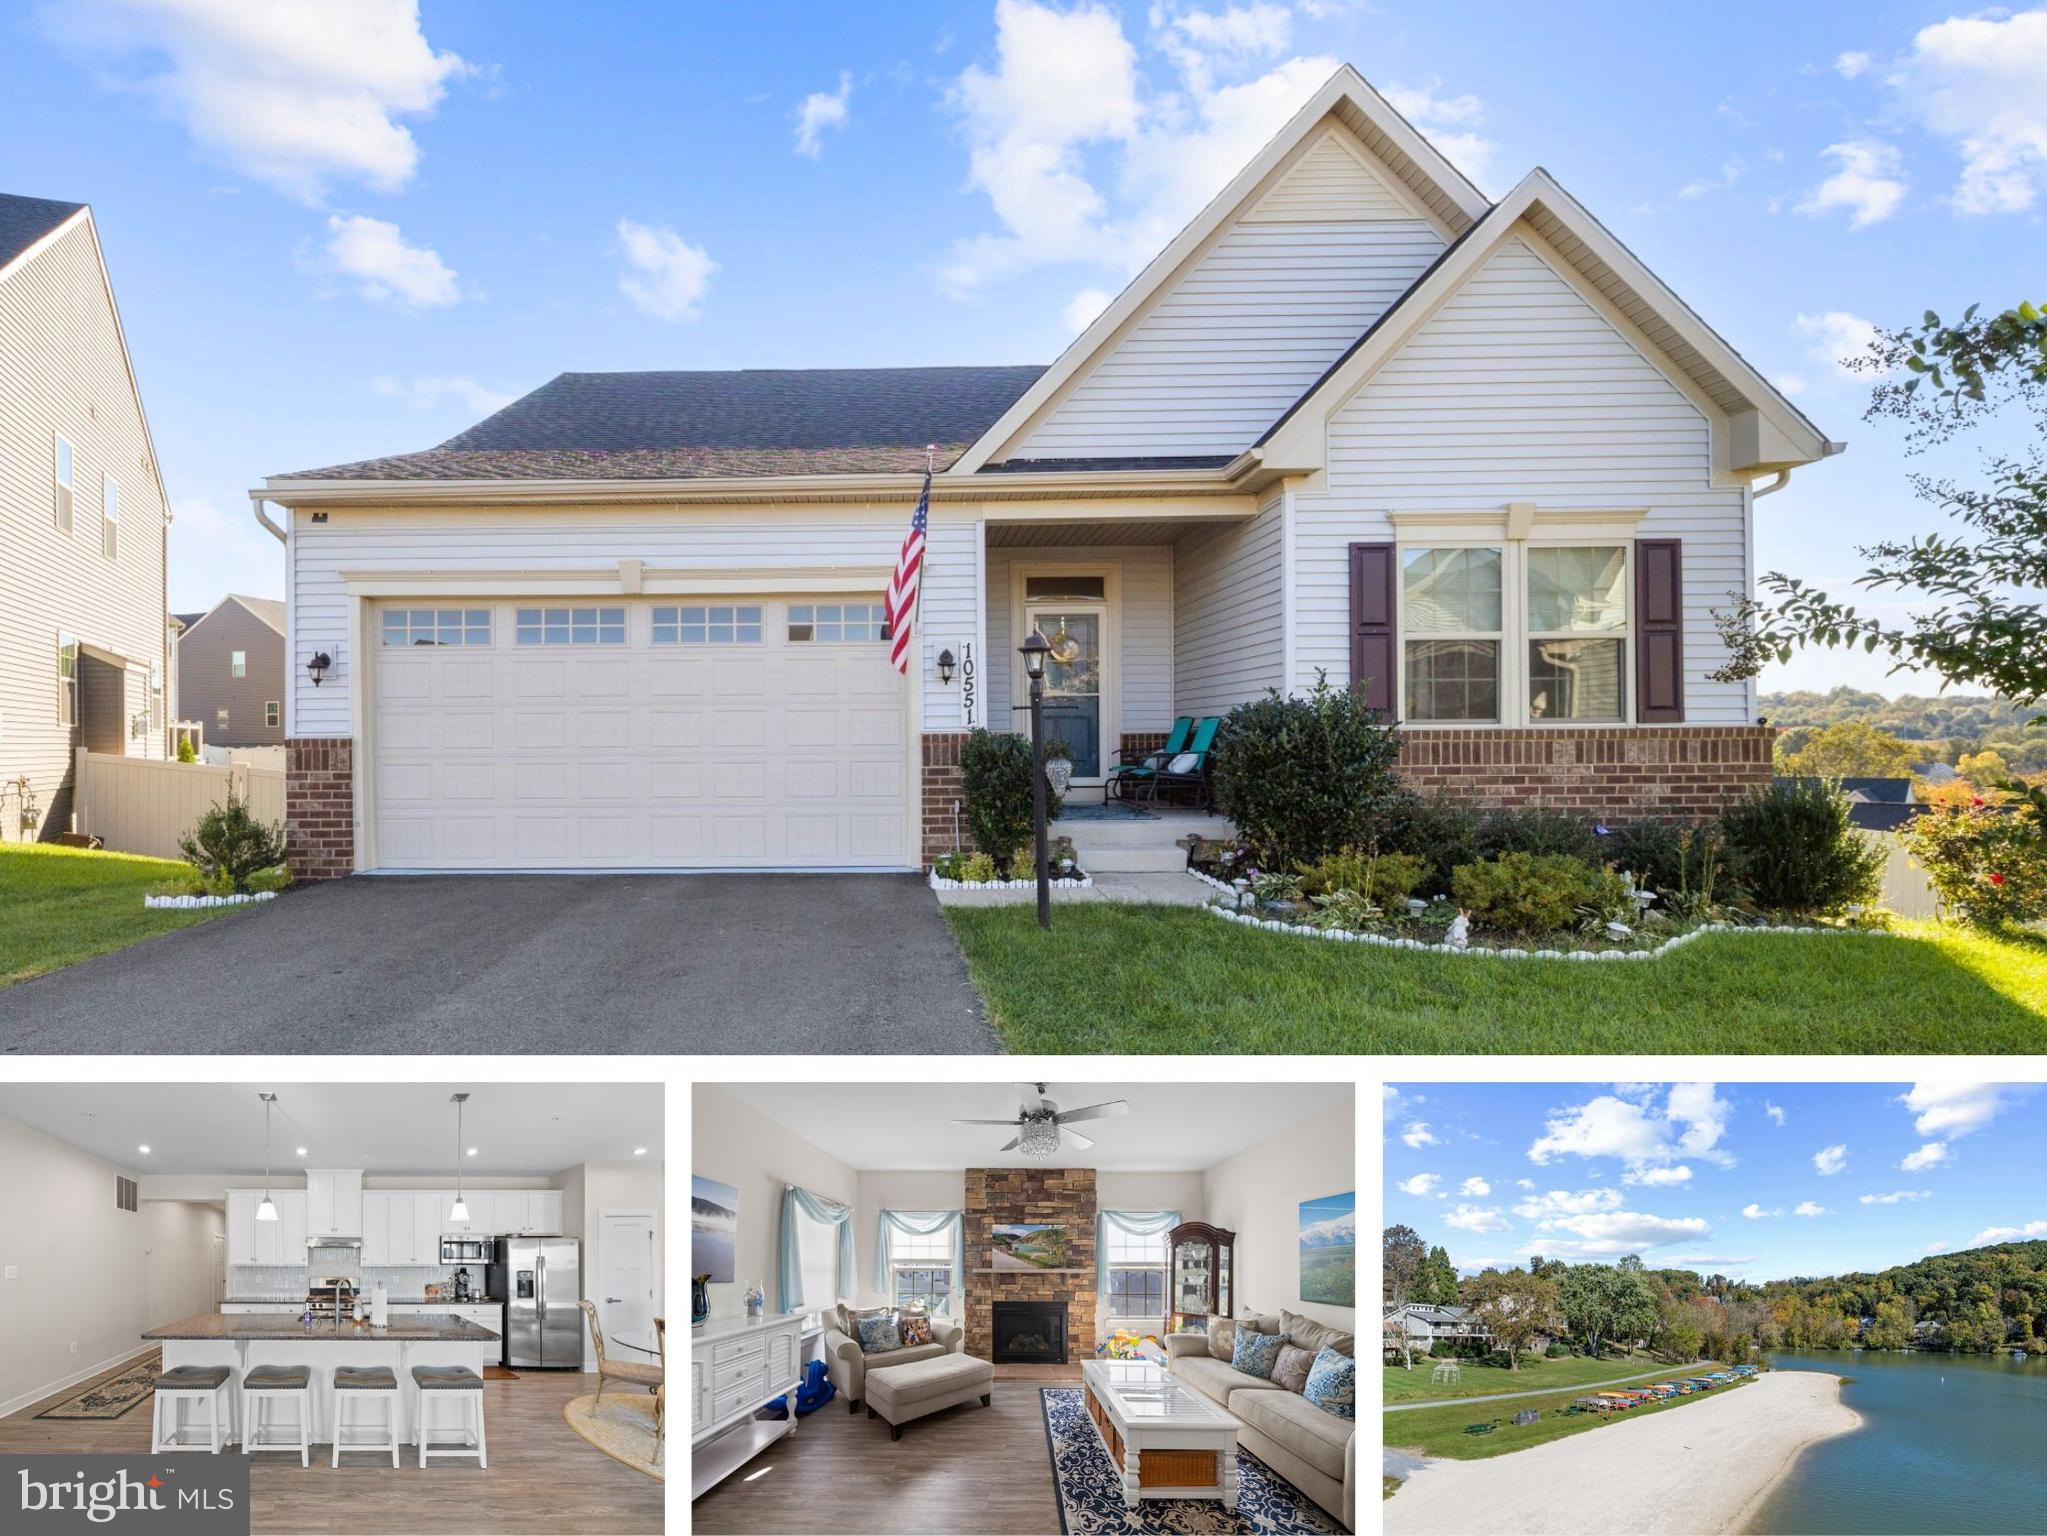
[1731,171]
[1831,1159]
[1755,1212]
[821,110]
[1691,1124]
[1791,384]
[1198,41]
[1774,1111]
[1868,181]
[1714,1260]
[1476,1187]
[1607,1234]
[1808,1208]
[2009,1234]
[1975,80]
[1564,1202]
[432,393]
[1932,1155]
[1936,1248]
[1954,1109]
[1422,1184]
[296,93]
[1450,123]
[1849,65]
[1083,308]
[1418,1134]
[385,268]
[665,276]
[1897,1196]
[1654,1176]
[1835,338]
[1524,1183]
[1473,1218]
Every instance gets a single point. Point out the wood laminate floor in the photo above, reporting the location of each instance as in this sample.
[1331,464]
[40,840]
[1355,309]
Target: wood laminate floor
[543,1477]
[965,1470]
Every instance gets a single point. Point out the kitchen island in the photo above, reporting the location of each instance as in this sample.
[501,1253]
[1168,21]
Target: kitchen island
[242,1341]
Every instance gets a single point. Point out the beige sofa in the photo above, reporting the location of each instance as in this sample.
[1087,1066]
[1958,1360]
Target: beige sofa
[1313,1450]
[848,1367]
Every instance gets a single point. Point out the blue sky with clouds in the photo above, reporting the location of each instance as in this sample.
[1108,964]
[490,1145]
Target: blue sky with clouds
[352,227]
[1761,1181]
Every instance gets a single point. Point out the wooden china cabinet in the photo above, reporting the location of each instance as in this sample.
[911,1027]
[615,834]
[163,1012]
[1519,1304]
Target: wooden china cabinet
[1201,1269]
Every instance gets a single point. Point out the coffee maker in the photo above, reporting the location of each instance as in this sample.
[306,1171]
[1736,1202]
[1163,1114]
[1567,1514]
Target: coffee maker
[462,1292]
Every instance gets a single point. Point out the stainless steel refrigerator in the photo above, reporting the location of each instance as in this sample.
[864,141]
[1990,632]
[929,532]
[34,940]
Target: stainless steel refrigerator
[540,1279]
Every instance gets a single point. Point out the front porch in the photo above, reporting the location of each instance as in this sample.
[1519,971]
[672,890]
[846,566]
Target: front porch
[1132,856]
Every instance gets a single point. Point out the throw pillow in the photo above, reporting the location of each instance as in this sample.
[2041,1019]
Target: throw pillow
[879,1335]
[915,1328]
[1186,762]
[1222,1337]
[1256,1353]
[1315,1337]
[1291,1369]
[1333,1384]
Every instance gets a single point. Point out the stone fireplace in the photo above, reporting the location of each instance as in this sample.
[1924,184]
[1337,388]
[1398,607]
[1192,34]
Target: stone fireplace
[1029,1332]
[1040,1196]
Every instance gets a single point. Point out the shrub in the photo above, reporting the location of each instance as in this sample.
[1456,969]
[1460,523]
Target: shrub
[1533,829]
[1449,832]
[1386,879]
[1528,892]
[187,753]
[1796,851]
[959,865]
[1987,864]
[997,769]
[1687,865]
[1556,1351]
[1304,776]
[230,846]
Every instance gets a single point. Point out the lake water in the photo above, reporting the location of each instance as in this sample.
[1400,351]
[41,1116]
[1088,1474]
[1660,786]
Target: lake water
[1949,1443]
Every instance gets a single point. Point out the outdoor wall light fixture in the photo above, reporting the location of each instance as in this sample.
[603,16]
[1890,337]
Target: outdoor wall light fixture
[317,665]
[945,666]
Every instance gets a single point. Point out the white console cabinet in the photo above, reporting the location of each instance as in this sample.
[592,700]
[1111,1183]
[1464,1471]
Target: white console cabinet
[735,1366]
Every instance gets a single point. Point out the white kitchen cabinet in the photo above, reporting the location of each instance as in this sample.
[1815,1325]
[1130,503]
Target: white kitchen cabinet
[546,1213]
[376,1228]
[282,1241]
[428,1207]
[241,1226]
[478,1206]
[334,1203]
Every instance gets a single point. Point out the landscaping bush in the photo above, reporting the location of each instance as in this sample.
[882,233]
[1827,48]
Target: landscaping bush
[1449,832]
[1687,865]
[1385,879]
[1556,1351]
[997,769]
[1986,863]
[975,867]
[1532,829]
[230,848]
[1529,893]
[1304,776]
[1796,852]
[187,753]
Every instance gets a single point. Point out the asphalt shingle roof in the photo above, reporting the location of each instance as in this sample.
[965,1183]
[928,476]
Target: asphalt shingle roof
[746,422]
[25,220]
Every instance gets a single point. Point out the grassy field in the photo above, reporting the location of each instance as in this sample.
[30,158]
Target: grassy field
[1535,1375]
[1471,1434]
[1112,979]
[62,905]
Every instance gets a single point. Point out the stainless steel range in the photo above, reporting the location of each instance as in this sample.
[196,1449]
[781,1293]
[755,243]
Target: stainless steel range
[332,1297]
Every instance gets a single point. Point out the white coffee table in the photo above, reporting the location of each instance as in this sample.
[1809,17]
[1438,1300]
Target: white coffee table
[1168,1441]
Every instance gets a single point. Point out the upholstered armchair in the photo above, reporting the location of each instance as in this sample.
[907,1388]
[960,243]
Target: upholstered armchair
[848,1367]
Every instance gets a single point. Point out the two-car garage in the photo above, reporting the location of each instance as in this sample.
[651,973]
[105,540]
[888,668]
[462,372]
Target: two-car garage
[717,732]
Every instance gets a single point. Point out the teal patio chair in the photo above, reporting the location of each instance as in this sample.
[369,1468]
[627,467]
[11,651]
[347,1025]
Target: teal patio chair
[1137,766]
[1192,776]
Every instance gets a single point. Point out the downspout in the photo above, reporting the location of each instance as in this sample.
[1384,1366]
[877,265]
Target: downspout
[256,506]
[1783,479]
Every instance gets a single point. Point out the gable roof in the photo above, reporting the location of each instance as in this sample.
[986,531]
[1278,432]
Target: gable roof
[25,220]
[750,421]
[1894,790]
[266,610]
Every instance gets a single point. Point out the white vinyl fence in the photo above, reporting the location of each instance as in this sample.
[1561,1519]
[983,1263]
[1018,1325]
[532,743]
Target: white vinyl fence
[1906,890]
[142,805]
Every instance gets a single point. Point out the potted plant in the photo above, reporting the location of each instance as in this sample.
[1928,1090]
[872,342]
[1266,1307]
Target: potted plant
[1058,765]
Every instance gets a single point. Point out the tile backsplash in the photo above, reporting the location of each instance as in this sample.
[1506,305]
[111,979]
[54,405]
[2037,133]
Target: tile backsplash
[287,1282]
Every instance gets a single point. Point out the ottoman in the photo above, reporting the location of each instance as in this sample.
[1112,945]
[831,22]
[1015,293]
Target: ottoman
[900,1393]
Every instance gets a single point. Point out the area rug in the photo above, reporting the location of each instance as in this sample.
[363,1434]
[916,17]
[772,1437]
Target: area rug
[1091,1489]
[1113,810]
[622,1427]
[111,1396]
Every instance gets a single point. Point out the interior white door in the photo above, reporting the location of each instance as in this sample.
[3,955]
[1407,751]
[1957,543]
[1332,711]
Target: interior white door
[626,1270]
[755,732]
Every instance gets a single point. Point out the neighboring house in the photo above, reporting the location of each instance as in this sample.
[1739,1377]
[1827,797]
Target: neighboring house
[231,672]
[1355,421]
[1880,804]
[1424,1324]
[84,631]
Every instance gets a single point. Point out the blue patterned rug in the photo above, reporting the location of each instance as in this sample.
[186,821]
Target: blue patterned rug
[1091,1489]
[1113,810]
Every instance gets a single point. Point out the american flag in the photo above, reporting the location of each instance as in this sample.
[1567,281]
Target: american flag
[903,585]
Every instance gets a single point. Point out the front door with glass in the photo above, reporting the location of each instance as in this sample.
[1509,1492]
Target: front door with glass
[1073,680]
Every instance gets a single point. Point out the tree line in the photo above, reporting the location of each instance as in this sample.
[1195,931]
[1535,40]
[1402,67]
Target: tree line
[1848,731]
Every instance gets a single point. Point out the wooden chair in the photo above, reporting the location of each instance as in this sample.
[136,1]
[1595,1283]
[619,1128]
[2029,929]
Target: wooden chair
[648,1376]
[661,1390]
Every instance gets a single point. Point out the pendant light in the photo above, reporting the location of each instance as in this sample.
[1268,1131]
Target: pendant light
[460,1210]
[267,1211]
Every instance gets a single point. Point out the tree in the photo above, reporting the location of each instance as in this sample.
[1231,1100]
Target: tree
[1438,1283]
[1514,1306]
[1402,1257]
[1985,770]
[1853,749]
[1604,1302]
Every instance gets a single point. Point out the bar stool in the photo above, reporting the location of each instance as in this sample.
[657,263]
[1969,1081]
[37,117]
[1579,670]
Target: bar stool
[270,1383]
[206,1384]
[439,1380]
[353,1383]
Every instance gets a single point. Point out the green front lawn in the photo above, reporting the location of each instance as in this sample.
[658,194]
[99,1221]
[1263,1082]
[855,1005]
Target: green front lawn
[59,906]
[1465,1433]
[1535,1375]
[1112,979]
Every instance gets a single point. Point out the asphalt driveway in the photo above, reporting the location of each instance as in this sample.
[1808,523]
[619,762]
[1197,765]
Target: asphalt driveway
[562,964]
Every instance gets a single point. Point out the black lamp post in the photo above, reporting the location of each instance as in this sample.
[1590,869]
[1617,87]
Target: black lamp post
[1035,650]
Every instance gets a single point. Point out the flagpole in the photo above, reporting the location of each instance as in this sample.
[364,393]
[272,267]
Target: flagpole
[930,455]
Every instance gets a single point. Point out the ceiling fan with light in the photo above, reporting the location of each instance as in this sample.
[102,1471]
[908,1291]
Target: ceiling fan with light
[1040,1123]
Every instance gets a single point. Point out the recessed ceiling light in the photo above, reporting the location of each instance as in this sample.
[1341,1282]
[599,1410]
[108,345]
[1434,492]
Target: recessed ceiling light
[144,1148]
[637,1151]
[472,1151]
[300,1150]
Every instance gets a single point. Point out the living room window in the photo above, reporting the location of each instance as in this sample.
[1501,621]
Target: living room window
[817,1253]
[922,1268]
[1577,632]
[1452,627]
[1137,1273]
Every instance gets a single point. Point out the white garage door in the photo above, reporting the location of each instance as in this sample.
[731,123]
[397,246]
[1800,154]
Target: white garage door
[666,733]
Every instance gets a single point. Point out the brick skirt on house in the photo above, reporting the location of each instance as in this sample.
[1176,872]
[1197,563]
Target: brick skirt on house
[1621,772]
[319,806]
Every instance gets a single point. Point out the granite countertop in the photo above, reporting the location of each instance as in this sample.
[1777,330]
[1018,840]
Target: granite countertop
[396,1301]
[433,1327]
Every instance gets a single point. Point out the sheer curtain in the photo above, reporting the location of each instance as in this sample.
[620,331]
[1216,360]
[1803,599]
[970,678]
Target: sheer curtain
[789,1265]
[921,1224]
[1132,1224]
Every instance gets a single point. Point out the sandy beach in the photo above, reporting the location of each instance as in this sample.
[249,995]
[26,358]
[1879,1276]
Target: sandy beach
[1695,1470]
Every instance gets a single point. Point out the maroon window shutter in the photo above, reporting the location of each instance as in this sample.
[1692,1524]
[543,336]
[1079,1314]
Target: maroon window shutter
[1659,631]
[1374,646]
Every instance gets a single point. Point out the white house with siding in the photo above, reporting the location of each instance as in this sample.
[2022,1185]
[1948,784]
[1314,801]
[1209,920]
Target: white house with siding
[84,626]
[1356,421]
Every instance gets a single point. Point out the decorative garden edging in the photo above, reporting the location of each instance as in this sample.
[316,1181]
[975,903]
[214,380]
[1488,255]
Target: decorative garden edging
[181,902]
[1387,941]
[940,883]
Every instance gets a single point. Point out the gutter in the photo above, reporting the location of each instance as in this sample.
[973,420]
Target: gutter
[256,506]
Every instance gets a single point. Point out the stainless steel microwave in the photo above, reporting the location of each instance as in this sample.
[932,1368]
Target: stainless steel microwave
[465,1250]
